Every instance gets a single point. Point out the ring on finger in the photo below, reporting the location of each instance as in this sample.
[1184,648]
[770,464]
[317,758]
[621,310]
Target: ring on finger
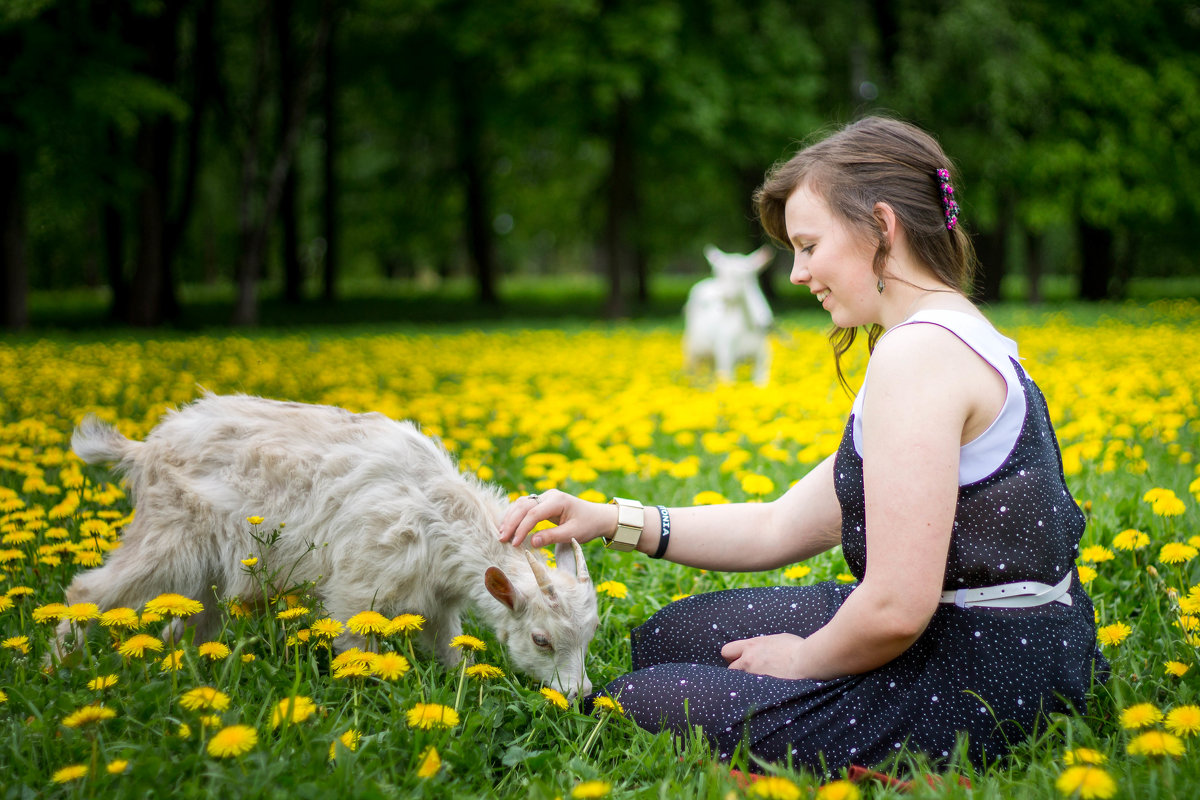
[532,497]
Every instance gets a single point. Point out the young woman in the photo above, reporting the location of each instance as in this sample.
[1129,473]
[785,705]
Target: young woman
[946,494]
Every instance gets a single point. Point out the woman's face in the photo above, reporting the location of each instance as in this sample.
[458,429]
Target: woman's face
[831,260]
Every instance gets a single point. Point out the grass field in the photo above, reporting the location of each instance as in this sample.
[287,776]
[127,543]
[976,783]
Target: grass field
[592,408]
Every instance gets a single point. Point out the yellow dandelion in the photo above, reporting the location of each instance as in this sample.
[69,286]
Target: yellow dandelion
[102,683]
[1113,634]
[390,666]
[354,670]
[1130,539]
[1086,574]
[1170,506]
[120,618]
[71,773]
[209,720]
[1083,755]
[3,696]
[1177,668]
[834,790]
[405,623]
[353,656]
[431,715]
[1156,743]
[431,762]
[136,645]
[612,589]
[51,612]
[759,485]
[605,703]
[366,623]
[292,709]
[292,613]
[845,577]
[1176,553]
[589,790]
[248,657]
[88,715]
[236,740]
[204,698]
[18,643]
[174,605]
[484,671]
[250,562]
[1097,554]
[172,662]
[709,498]
[238,610]
[555,697]
[1183,721]
[1086,782]
[680,596]
[327,628]
[116,767]
[184,731]
[88,558]
[348,740]
[1140,715]
[6,602]
[774,787]
[255,520]
[19,591]
[796,572]
[214,651]
[470,642]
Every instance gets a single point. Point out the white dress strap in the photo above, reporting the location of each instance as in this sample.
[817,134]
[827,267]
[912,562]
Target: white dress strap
[984,454]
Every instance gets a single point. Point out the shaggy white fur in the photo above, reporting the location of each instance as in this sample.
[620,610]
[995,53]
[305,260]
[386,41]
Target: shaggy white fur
[392,523]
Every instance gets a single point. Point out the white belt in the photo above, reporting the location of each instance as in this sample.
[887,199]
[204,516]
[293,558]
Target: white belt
[1024,594]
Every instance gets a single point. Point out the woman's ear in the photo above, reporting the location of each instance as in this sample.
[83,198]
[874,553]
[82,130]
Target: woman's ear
[885,218]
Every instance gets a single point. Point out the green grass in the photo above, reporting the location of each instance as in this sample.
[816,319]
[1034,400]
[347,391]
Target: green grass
[1132,365]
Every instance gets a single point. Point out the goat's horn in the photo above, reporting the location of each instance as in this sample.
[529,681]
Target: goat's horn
[581,571]
[541,574]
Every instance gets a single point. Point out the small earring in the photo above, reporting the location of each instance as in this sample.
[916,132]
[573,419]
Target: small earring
[879,286]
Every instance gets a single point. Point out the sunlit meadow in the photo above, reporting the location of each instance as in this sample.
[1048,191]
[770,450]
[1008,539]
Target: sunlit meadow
[267,709]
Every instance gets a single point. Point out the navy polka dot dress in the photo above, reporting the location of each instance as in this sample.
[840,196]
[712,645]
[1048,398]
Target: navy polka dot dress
[984,672]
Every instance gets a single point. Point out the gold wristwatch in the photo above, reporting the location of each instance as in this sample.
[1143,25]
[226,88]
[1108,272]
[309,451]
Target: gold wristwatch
[630,521]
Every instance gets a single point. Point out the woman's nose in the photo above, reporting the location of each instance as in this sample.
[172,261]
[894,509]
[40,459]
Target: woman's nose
[800,274]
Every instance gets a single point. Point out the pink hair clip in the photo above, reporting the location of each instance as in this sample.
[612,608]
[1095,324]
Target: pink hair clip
[948,204]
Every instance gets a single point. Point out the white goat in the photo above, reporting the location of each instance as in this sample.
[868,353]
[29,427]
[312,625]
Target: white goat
[393,526]
[727,317]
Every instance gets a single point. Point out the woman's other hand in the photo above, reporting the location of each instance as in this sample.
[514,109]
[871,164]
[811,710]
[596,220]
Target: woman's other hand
[778,654]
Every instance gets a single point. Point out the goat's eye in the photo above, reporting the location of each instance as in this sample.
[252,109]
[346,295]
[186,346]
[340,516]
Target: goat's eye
[541,640]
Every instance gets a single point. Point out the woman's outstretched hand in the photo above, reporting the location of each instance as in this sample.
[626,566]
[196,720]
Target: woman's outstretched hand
[779,654]
[576,519]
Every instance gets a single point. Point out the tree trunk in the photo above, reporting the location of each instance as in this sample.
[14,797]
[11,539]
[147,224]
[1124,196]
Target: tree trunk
[991,248]
[289,245]
[329,204]
[471,165]
[1096,246]
[1034,255]
[14,269]
[620,254]
[152,297]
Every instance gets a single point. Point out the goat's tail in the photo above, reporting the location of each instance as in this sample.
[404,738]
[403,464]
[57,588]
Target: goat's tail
[95,441]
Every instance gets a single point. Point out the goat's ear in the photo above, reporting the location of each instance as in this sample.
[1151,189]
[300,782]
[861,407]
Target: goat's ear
[501,588]
[713,254]
[764,256]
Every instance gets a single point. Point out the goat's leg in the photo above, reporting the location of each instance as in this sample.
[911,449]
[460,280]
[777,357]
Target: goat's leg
[440,628]
[762,369]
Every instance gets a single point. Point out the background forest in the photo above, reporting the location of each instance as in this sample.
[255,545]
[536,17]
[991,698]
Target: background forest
[291,147]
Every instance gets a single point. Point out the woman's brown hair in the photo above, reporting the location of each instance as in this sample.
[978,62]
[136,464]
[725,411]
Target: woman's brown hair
[875,160]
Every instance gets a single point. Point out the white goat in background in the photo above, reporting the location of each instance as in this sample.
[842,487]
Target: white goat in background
[377,517]
[727,318]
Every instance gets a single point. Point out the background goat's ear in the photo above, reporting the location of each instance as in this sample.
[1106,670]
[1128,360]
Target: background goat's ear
[763,256]
[501,588]
[713,254]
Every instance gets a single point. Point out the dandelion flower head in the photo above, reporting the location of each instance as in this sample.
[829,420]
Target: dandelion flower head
[235,740]
[431,715]
[1086,782]
[1140,715]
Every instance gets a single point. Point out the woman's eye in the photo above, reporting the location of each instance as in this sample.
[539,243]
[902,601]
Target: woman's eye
[541,641]
[808,249]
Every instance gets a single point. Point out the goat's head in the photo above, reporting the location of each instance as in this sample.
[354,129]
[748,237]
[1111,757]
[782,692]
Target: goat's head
[552,621]
[736,276]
